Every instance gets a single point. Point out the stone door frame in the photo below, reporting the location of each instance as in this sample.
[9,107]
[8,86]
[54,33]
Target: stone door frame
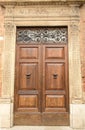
[41,15]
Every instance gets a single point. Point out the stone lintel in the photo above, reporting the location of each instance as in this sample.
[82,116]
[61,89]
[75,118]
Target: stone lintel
[41,2]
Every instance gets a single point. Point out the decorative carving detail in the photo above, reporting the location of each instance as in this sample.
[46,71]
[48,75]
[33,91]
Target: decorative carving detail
[9,11]
[43,11]
[74,26]
[42,35]
[9,27]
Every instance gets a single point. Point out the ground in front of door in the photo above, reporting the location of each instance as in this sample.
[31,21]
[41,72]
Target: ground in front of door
[40,128]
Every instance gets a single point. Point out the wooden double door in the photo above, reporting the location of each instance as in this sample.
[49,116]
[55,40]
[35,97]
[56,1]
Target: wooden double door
[41,85]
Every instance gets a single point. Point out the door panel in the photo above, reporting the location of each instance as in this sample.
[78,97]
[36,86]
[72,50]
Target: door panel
[53,101]
[28,52]
[41,81]
[55,76]
[55,119]
[29,76]
[28,101]
[54,52]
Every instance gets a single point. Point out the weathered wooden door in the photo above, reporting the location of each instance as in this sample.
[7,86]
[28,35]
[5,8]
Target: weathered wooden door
[41,77]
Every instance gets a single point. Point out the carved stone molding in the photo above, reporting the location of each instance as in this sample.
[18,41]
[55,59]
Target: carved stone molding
[8,27]
[41,11]
[74,27]
[38,2]
[9,11]
[75,64]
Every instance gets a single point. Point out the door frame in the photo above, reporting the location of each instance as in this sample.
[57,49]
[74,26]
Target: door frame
[12,21]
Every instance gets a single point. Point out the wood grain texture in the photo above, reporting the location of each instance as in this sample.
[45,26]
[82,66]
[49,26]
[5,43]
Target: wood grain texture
[28,101]
[28,52]
[54,52]
[28,75]
[54,101]
[41,84]
[55,76]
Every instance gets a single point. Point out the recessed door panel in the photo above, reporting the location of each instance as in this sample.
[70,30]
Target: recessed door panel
[28,101]
[28,76]
[28,52]
[55,76]
[54,52]
[55,101]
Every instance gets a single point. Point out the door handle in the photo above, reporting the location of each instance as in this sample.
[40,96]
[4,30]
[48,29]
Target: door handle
[28,75]
[55,76]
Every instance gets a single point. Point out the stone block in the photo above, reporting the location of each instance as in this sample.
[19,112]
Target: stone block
[5,115]
[78,116]
[5,122]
